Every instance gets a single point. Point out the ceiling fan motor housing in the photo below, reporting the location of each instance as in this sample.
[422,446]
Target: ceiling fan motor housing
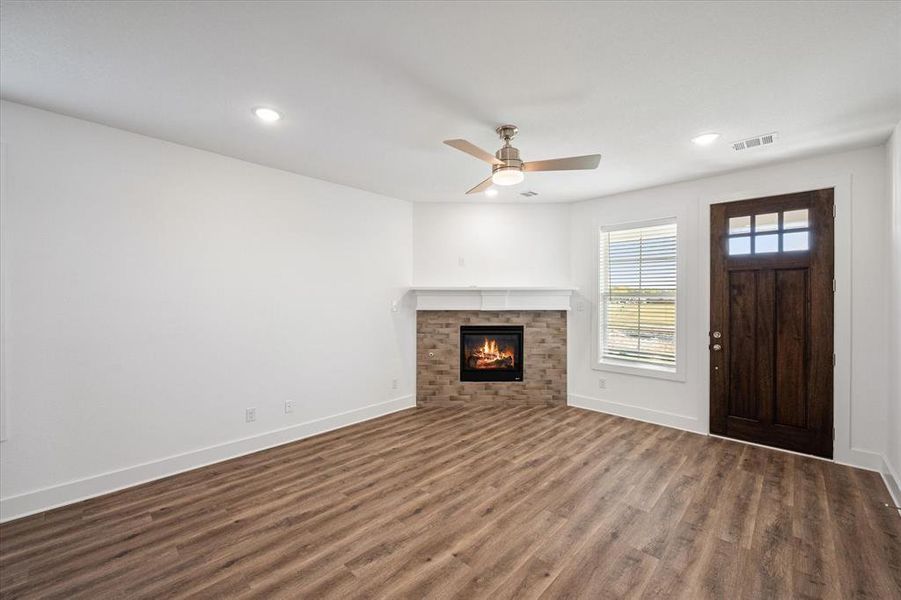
[507,153]
[510,156]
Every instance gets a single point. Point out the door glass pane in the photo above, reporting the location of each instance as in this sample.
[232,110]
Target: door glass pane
[795,240]
[795,219]
[766,243]
[740,225]
[740,245]
[767,222]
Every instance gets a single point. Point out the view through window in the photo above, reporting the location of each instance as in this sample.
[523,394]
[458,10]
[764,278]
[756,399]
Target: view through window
[638,295]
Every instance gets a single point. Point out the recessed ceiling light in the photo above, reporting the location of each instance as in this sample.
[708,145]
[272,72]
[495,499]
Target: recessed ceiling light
[491,192]
[705,139]
[267,114]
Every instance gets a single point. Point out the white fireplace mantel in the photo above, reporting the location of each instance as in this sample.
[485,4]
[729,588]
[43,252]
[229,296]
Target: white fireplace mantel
[493,298]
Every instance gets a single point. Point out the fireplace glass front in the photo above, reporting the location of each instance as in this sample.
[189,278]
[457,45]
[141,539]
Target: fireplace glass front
[491,353]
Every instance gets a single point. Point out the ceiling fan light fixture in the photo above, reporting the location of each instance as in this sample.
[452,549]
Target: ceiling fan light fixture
[507,176]
[507,168]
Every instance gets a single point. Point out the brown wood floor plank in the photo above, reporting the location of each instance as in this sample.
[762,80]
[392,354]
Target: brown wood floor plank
[489,502]
[860,558]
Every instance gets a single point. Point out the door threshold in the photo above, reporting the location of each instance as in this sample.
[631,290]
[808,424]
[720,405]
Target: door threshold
[823,458]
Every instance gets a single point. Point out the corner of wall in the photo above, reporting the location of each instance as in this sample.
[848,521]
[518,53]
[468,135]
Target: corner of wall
[891,464]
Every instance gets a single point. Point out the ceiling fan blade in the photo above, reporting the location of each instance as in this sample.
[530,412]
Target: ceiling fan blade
[481,187]
[572,163]
[473,150]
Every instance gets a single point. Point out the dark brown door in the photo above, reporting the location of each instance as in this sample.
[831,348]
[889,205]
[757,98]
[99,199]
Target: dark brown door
[771,305]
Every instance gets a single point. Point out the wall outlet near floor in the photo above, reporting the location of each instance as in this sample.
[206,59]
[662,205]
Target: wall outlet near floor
[250,415]
[289,406]
[394,384]
[602,384]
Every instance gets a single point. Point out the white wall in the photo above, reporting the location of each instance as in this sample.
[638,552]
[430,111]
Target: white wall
[893,451]
[669,402]
[491,244]
[538,233]
[155,291]
[861,301]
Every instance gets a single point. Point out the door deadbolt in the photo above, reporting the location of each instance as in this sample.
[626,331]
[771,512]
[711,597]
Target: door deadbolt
[717,347]
[717,335]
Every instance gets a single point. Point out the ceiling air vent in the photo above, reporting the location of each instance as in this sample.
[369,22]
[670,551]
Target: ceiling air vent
[756,142]
[528,194]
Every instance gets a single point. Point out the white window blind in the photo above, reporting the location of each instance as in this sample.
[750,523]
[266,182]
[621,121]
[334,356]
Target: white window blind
[638,295]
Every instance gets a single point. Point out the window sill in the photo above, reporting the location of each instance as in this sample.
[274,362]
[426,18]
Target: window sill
[645,370]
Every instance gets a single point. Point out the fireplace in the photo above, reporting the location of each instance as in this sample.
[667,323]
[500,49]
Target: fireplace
[491,353]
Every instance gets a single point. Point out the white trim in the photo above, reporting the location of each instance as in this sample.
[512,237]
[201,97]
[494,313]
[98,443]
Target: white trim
[493,298]
[492,288]
[4,287]
[620,226]
[678,373]
[843,452]
[14,507]
[861,459]
[640,369]
[892,482]
[637,413]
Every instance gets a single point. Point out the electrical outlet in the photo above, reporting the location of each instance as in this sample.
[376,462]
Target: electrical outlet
[394,384]
[394,306]
[461,262]
[602,384]
[289,406]
[250,415]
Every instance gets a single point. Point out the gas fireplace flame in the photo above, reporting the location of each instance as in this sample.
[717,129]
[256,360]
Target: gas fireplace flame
[490,356]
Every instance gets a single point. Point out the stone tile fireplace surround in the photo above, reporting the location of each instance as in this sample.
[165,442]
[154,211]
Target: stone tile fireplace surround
[438,359]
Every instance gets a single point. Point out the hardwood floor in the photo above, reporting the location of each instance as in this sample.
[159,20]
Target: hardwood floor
[539,502]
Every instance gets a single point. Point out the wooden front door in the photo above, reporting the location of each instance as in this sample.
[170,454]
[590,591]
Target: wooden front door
[771,305]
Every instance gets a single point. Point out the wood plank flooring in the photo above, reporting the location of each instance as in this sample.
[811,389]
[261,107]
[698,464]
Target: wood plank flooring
[531,502]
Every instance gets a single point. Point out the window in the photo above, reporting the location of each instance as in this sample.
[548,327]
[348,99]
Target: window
[637,297]
[787,231]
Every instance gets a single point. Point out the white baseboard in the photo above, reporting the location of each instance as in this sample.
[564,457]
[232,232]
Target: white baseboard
[14,507]
[892,481]
[657,417]
[862,459]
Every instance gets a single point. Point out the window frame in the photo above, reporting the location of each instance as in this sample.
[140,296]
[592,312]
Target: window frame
[643,369]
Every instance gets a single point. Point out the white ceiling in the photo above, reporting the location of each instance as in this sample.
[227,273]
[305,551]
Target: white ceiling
[369,90]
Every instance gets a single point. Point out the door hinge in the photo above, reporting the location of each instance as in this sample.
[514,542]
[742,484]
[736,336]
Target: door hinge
[833,211]
[833,434]
[833,359]
[833,286]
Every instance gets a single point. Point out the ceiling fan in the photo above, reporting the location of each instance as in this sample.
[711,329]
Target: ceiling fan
[506,166]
